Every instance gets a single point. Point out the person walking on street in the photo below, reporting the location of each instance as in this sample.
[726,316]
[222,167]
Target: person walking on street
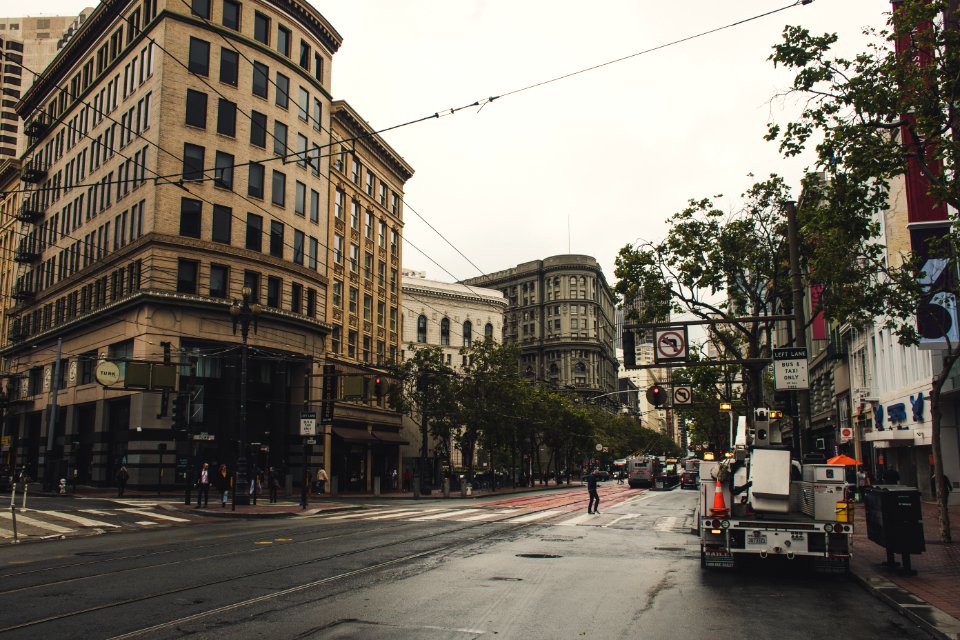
[222,483]
[305,488]
[122,477]
[321,480]
[273,483]
[203,486]
[593,506]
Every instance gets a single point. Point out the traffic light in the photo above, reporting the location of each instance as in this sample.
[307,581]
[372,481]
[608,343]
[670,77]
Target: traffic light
[656,395]
[761,425]
[379,387]
[629,349]
[178,413]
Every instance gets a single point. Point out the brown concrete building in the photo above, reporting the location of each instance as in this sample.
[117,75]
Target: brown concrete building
[364,254]
[28,45]
[176,174]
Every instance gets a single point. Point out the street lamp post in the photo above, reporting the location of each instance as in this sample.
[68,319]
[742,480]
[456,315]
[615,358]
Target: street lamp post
[242,313]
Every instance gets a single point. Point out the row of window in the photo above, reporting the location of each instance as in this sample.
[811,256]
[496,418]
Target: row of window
[353,303]
[361,348]
[297,299]
[445,331]
[372,185]
[305,249]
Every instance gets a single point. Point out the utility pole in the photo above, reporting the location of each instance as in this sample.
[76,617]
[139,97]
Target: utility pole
[800,331]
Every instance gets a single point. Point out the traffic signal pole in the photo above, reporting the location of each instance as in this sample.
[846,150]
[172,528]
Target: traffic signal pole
[799,331]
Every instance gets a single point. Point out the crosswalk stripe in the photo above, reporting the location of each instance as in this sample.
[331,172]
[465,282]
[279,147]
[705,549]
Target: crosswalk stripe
[449,514]
[489,515]
[537,516]
[158,516]
[33,522]
[146,523]
[97,512]
[364,514]
[572,522]
[402,514]
[80,520]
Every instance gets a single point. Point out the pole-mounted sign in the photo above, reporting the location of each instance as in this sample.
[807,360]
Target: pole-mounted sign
[670,344]
[790,368]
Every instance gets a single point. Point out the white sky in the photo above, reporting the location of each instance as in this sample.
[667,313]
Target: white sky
[614,151]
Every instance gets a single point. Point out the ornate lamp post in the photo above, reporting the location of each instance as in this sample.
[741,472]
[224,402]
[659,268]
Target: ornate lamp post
[242,313]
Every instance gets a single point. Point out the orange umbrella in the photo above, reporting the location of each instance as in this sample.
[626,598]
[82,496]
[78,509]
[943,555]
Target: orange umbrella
[842,459]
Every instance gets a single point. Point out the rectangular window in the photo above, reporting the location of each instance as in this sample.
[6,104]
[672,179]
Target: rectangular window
[190,215]
[367,307]
[368,266]
[318,67]
[200,8]
[300,197]
[255,180]
[222,223]
[283,40]
[351,344]
[276,239]
[371,179]
[368,224]
[274,286]
[337,294]
[261,76]
[381,312]
[231,14]
[280,138]
[301,151]
[338,249]
[251,280]
[314,250]
[303,104]
[279,191]
[258,129]
[227,118]
[298,239]
[229,66]
[199,57]
[354,258]
[196,109]
[354,294]
[254,232]
[187,276]
[355,215]
[305,55]
[355,171]
[317,114]
[296,297]
[223,170]
[338,204]
[383,195]
[283,90]
[261,28]
[314,206]
[218,280]
[335,340]
[192,161]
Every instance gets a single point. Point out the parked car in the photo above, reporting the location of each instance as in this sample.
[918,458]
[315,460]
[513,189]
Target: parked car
[689,480]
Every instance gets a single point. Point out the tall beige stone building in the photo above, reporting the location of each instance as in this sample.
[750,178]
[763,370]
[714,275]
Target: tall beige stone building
[179,190]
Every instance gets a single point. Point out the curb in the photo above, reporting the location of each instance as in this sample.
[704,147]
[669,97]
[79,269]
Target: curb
[934,621]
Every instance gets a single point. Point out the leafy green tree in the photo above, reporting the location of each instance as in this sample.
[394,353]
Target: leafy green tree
[710,387]
[721,267]
[868,118]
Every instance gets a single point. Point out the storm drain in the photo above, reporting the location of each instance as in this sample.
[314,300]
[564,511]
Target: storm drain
[538,556]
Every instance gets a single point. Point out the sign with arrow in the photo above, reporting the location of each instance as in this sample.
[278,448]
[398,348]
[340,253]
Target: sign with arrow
[682,395]
[670,344]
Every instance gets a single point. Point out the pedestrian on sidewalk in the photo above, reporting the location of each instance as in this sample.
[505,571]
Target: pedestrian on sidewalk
[203,486]
[321,480]
[593,506]
[122,477]
[273,483]
[305,488]
[222,483]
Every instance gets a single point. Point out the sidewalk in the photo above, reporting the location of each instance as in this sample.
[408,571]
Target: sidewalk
[932,597]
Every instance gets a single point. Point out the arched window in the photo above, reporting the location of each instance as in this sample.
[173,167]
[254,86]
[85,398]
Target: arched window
[488,331]
[467,333]
[445,332]
[422,329]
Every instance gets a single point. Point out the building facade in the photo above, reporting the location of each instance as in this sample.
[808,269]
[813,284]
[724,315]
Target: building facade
[364,257]
[177,193]
[28,45]
[561,314]
[451,317]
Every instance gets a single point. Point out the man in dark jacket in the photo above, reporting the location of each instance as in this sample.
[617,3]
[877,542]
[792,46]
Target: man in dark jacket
[593,505]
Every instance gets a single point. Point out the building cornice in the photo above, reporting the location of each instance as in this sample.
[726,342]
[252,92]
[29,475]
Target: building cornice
[368,137]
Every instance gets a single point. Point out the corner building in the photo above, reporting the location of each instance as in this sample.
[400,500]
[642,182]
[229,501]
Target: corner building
[177,163]
[560,312]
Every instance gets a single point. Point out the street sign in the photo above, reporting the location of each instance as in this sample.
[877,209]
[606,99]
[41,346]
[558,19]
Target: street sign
[107,373]
[790,368]
[599,447]
[682,395]
[670,344]
[209,437]
[308,423]
[846,434]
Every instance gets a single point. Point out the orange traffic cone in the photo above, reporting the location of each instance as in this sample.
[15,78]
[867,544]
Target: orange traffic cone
[719,506]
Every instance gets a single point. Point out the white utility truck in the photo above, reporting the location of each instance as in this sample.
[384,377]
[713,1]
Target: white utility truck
[761,503]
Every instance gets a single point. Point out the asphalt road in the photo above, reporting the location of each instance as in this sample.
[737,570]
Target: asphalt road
[530,566]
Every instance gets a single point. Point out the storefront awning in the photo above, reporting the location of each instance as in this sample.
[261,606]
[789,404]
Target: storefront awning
[353,435]
[390,437]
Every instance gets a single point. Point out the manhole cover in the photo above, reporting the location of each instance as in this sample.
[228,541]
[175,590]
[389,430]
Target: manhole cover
[537,555]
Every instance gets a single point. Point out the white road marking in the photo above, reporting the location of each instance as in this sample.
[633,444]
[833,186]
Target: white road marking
[33,522]
[449,514]
[665,525]
[97,512]
[146,523]
[364,514]
[489,515]
[158,516]
[80,520]
[625,517]
[537,516]
[405,513]
[572,522]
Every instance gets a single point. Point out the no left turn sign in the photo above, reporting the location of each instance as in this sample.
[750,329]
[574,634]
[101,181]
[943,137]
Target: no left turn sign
[682,395]
[670,344]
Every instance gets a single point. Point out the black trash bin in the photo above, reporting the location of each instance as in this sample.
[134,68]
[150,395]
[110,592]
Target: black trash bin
[895,521]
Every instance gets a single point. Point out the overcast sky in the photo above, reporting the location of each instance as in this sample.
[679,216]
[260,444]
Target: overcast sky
[586,164]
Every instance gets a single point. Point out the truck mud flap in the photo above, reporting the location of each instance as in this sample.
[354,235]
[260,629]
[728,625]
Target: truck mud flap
[712,560]
[839,565]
